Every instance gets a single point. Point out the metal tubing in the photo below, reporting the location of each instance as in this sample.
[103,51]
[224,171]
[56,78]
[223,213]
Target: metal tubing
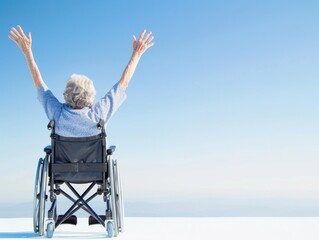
[52,209]
[93,214]
[82,205]
[67,214]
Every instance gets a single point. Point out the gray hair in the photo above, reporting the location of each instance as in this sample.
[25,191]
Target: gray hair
[79,92]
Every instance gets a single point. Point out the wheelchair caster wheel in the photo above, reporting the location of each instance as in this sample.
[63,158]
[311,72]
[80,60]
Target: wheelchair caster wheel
[50,229]
[109,229]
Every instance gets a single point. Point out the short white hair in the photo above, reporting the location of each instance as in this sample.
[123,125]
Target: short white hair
[79,92]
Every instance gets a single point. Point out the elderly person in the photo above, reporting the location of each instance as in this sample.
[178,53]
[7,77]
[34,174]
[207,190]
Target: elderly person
[78,116]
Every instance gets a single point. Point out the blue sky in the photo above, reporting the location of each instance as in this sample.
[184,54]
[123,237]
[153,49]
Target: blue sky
[221,112]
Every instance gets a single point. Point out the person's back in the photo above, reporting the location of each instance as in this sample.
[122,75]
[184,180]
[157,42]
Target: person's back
[80,122]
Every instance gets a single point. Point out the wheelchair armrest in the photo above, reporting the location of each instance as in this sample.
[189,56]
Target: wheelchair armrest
[51,125]
[110,150]
[48,149]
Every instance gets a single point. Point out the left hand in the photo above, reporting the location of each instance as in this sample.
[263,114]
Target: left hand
[143,43]
[21,39]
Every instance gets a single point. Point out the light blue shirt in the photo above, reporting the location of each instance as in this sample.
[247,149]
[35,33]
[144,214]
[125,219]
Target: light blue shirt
[71,122]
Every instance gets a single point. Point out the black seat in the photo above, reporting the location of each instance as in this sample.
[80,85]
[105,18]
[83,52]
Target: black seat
[78,160]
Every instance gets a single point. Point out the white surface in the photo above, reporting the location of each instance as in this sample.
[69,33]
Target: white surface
[178,228]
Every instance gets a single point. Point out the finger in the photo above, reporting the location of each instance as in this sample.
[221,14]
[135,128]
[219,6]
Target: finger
[147,36]
[21,31]
[12,33]
[134,38]
[12,38]
[149,40]
[142,35]
[15,33]
[29,37]
[149,45]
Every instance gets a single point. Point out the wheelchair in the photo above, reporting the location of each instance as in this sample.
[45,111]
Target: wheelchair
[70,161]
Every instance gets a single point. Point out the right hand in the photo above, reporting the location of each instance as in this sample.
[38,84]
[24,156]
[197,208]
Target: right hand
[21,39]
[143,43]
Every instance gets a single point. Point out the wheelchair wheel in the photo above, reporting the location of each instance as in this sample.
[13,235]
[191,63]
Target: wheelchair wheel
[113,198]
[39,196]
[50,229]
[109,229]
[118,197]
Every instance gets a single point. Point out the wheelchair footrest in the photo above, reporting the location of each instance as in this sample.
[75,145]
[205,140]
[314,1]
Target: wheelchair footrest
[71,220]
[92,220]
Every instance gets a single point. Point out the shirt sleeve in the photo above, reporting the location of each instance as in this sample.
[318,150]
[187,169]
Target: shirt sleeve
[108,105]
[49,102]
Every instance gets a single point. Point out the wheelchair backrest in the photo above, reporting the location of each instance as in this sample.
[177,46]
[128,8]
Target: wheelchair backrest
[76,159]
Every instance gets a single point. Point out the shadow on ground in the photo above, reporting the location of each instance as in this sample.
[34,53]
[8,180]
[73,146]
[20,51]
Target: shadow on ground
[18,235]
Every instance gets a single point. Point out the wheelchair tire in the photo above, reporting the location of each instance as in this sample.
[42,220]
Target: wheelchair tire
[113,197]
[109,229]
[35,198]
[50,229]
[118,197]
[40,196]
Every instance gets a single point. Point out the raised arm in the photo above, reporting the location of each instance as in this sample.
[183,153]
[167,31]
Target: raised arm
[143,43]
[24,44]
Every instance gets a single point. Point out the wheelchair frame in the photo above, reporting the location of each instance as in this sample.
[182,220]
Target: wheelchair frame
[109,188]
